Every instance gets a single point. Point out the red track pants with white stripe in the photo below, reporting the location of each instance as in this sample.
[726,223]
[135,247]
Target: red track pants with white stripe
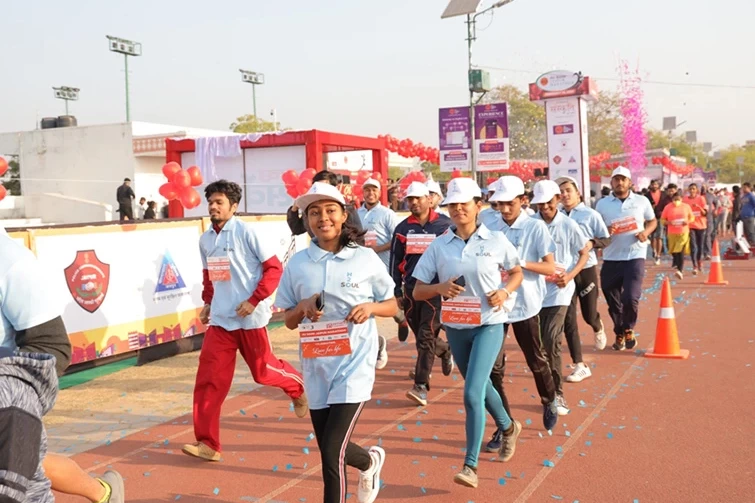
[217,363]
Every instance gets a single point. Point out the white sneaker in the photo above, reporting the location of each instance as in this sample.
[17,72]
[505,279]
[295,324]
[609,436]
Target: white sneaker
[382,359]
[600,338]
[581,372]
[561,406]
[679,274]
[657,260]
[369,481]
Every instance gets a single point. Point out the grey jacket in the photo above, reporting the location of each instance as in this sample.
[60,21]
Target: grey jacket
[28,389]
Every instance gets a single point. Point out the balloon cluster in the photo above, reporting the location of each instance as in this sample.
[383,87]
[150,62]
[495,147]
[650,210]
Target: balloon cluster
[414,176]
[407,148]
[673,167]
[181,185]
[3,170]
[298,184]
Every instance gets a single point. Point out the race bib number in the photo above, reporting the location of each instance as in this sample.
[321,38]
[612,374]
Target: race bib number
[560,269]
[326,338]
[418,243]
[462,311]
[219,268]
[678,222]
[624,224]
[696,214]
[370,239]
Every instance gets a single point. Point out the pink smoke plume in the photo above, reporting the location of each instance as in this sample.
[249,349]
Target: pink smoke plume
[634,136]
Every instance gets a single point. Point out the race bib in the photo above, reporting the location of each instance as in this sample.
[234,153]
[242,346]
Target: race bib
[624,224]
[678,222]
[696,214]
[462,311]
[560,269]
[370,239]
[326,338]
[219,268]
[418,243]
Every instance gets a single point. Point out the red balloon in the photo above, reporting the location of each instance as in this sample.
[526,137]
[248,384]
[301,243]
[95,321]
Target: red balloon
[377,176]
[290,177]
[170,169]
[195,175]
[455,174]
[292,191]
[169,191]
[182,179]
[308,174]
[303,185]
[357,190]
[190,198]
[3,192]
[3,166]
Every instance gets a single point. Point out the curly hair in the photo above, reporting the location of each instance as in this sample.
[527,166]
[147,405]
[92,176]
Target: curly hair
[232,190]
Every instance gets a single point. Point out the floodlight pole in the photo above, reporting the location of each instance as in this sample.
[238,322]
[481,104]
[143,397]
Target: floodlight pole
[128,107]
[254,99]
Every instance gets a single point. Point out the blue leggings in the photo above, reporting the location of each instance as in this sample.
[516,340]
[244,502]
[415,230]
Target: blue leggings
[475,351]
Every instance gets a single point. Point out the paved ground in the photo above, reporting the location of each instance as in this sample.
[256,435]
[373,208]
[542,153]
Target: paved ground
[639,430]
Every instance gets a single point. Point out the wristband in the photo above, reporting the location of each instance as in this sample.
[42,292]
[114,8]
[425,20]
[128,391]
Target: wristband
[508,294]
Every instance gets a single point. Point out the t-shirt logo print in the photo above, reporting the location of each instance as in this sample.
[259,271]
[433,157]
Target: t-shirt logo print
[482,253]
[349,283]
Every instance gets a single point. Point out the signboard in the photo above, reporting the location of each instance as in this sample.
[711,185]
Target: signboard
[567,138]
[455,142]
[557,80]
[492,137]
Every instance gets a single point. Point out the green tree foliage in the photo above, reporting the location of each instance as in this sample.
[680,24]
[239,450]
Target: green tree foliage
[604,124]
[12,179]
[251,124]
[728,166]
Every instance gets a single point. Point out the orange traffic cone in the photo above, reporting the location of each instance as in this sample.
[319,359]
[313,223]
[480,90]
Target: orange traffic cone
[716,274]
[666,338]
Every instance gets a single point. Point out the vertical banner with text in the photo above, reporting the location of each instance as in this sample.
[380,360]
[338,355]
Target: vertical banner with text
[454,139]
[566,140]
[492,137]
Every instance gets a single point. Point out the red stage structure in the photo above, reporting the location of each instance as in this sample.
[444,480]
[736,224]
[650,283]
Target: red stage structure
[316,143]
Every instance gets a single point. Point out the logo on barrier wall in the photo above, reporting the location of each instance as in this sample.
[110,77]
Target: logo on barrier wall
[169,280]
[88,279]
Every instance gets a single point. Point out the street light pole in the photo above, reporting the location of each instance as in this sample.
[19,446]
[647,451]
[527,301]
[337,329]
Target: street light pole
[255,79]
[127,48]
[66,94]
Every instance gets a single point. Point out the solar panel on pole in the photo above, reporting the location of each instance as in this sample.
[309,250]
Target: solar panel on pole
[460,8]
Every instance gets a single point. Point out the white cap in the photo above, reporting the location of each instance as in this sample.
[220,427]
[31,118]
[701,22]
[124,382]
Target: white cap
[461,190]
[506,189]
[545,190]
[417,189]
[622,171]
[434,187]
[563,179]
[371,181]
[319,191]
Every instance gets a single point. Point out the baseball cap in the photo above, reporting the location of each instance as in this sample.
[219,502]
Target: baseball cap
[622,171]
[461,190]
[507,188]
[371,181]
[434,187]
[319,191]
[544,191]
[417,189]
[563,179]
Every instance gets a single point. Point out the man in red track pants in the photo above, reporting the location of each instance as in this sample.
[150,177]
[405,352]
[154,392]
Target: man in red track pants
[241,271]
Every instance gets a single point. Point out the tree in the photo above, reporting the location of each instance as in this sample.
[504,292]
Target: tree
[678,146]
[251,124]
[604,124]
[728,168]
[12,179]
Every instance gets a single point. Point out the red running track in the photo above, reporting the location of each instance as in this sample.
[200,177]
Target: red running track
[639,430]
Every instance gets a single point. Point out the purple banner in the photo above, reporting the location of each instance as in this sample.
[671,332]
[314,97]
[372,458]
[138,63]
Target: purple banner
[491,121]
[454,140]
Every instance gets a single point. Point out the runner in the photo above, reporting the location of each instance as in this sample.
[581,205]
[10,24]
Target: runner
[572,253]
[436,196]
[380,222]
[655,195]
[31,322]
[678,216]
[337,284]
[630,220]
[490,216]
[241,271]
[474,323]
[535,248]
[699,227]
[586,282]
[410,240]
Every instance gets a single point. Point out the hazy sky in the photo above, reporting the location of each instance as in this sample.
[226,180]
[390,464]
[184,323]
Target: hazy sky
[366,67]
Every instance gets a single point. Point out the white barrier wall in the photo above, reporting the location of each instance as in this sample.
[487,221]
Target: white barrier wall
[126,287]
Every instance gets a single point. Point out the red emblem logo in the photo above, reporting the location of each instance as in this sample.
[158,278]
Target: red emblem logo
[557,159]
[88,279]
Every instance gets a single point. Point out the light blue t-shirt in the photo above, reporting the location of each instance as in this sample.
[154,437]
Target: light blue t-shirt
[489,217]
[246,250]
[569,241]
[382,221]
[26,300]
[479,260]
[635,208]
[354,276]
[532,241]
[592,226]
